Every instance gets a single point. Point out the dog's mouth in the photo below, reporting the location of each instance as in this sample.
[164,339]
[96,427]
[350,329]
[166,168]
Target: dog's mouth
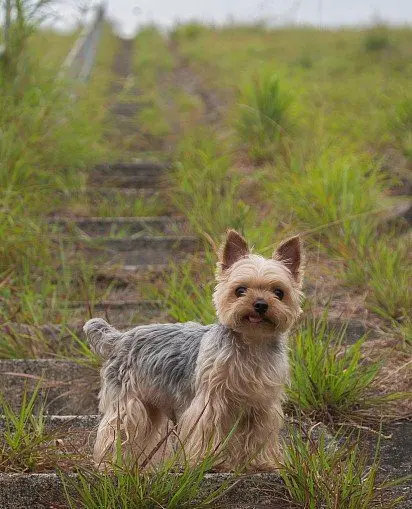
[256,318]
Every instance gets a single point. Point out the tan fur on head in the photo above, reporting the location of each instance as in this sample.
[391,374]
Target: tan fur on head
[263,280]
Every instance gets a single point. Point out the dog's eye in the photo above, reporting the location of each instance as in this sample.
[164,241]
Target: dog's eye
[278,293]
[240,291]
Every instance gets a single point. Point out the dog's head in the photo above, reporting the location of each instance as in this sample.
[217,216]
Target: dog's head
[256,296]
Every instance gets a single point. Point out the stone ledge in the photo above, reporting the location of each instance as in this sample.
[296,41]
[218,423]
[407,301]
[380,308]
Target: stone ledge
[40,491]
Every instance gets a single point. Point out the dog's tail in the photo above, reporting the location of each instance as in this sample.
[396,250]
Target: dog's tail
[101,336]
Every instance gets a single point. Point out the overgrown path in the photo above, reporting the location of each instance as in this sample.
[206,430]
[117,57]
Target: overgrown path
[127,253]
[128,250]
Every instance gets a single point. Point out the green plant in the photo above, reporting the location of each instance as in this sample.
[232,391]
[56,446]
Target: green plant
[26,445]
[389,274]
[402,124]
[377,39]
[187,293]
[190,31]
[206,191]
[170,484]
[263,115]
[328,379]
[318,473]
[28,15]
[328,194]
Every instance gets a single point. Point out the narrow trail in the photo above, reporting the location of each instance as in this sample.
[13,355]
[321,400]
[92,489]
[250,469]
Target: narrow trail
[129,252]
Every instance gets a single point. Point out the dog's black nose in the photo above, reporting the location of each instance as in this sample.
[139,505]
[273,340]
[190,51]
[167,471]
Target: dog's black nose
[261,306]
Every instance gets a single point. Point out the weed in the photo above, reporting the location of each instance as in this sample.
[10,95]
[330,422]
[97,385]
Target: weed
[331,475]
[328,379]
[377,39]
[207,194]
[331,191]
[167,485]
[26,445]
[263,115]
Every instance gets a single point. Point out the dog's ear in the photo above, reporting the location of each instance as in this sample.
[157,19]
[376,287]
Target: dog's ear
[233,249]
[290,254]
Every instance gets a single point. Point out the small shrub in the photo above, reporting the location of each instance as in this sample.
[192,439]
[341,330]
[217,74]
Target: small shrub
[263,115]
[189,31]
[330,195]
[333,475]
[328,379]
[207,194]
[169,484]
[25,444]
[377,39]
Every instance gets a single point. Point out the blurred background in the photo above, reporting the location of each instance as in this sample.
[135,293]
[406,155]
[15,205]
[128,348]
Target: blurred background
[128,15]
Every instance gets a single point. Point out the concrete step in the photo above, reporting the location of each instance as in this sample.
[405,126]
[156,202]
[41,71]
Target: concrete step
[122,314]
[65,387]
[139,174]
[127,193]
[118,226]
[45,490]
[146,250]
[142,168]
[137,181]
[125,109]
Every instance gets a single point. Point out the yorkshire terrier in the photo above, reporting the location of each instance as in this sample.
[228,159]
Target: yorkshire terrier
[220,383]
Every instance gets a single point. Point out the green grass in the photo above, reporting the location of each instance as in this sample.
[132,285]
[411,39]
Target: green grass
[335,189]
[207,194]
[152,62]
[26,445]
[171,483]
[390,275]
[377,39]
[328,380]
[47,143]
[333,472]
[263,115]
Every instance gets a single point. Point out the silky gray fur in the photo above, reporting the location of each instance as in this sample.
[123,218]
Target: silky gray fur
[161,356]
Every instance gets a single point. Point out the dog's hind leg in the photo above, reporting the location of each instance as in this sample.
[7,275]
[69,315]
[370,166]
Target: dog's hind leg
[132,430]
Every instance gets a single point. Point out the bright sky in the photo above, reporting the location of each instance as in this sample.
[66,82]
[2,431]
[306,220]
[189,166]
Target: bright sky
[130,13]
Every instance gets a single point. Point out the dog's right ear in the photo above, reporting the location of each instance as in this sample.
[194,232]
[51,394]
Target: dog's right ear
[233,249]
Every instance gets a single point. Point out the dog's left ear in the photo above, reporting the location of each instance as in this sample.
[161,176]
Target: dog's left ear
[290,254]
[234,248]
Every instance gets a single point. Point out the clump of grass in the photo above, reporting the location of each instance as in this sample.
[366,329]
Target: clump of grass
[402,123]
[384,273]
[377,39]
[328,380]
[403,115]
[335,189]
[264,118]
[390,274]
[25,444]
[338,475]
[187,293]
[170,484]
[189,31]
[207,193]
